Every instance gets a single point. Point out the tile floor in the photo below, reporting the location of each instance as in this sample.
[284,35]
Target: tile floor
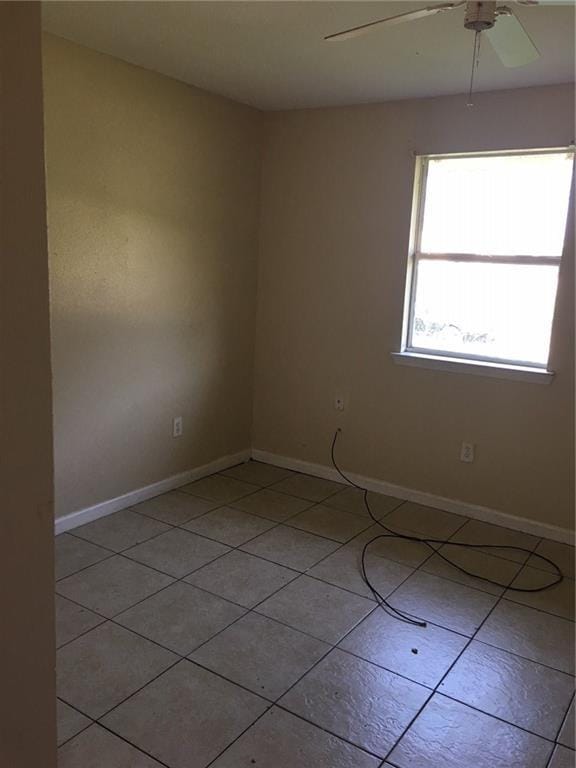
[226,624]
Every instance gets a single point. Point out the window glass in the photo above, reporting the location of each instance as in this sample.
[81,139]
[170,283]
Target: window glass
[479,309]
[497,205]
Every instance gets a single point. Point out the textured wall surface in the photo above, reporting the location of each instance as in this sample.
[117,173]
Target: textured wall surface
[153,204]
[152,214]
[27,644]
[337,194]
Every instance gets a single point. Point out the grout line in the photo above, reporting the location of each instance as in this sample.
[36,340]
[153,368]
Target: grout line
[275,704]
[299,573]
[496,717]
[60,744]
[564,720]
[524,658]
[253,609]
[329,732]
[223,472]
[179,659]
[84,728]
[126,741]
[445,675]
[538,610]
[84,567]
[330,645]
[552,754]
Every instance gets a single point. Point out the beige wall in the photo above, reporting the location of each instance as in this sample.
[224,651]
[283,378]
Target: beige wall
[153,208]
[28,700]
[153,211]
[336,194]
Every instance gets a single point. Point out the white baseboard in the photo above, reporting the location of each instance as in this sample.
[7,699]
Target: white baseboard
[82,516]
[473,511]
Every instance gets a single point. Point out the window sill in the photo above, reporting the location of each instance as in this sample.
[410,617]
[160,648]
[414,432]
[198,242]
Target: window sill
[474,367]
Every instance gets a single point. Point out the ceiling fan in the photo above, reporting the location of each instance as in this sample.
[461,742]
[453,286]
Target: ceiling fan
[508,37]
[504,30]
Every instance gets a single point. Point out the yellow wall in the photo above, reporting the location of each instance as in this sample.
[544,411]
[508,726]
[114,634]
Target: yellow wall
[152,213]
[27,642]
[336,204]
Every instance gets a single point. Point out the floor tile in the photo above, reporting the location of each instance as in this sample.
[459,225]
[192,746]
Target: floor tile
[180,617]
[423,654]
[352,500]
[494,568]
[242,578]
[358,701]
[563,758]
[558,600]
[319,609]
[343,569]
[443,602]
[410,553]
[272,505]
[566,735]
[291,547]
[112,585]
[308,487]
[257,473]
[511,688]
[220,488]
[73,620]
[448,734]
[530,633]
[70,722]
[280,740]
[186,717]
[261,654]
[561,554]
[100,669]
[230,526]
[330,523]
[424,521]
[177,552]
[72,554]
[175,508]
[121,530]
[478,532]
[98,748]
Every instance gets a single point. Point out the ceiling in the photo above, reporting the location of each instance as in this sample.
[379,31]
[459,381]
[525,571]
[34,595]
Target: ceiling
[271,55]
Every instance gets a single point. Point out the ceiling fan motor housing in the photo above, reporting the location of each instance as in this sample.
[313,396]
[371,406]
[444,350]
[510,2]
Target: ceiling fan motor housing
[480,16]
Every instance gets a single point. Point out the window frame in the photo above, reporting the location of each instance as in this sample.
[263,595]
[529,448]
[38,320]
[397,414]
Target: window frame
[416,255]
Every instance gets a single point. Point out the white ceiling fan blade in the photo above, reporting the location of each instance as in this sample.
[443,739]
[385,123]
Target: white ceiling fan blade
[531,3]
[511,42]
[391,20]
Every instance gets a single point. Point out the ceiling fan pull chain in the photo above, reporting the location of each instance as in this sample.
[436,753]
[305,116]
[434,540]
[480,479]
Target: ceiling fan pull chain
[475,64]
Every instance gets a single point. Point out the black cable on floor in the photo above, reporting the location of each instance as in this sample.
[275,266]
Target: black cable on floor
[390,534]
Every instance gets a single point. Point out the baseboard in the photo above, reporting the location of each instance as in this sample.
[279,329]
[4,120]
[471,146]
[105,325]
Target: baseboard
[472,511]
[82,516]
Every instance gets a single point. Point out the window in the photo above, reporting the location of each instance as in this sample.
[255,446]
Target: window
[487,242]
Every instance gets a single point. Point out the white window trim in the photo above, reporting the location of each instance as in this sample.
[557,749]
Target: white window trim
[444,359]
[474,367]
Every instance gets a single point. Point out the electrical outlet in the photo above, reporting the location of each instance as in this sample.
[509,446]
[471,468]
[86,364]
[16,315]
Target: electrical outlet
[339,403]
[177,426]
[467,452]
